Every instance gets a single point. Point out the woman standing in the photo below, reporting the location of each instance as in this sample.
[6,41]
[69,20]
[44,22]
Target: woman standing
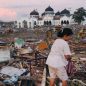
[59,56]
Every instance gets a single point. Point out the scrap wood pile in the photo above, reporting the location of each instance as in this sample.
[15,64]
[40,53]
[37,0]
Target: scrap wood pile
[34,62]
[76,82]
[78,78]
[80,67]
[34,68]
[78,47]
[10,73]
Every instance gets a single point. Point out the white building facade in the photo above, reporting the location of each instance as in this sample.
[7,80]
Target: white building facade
[48,18]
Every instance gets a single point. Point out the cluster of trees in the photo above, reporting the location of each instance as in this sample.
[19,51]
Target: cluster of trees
[79,15]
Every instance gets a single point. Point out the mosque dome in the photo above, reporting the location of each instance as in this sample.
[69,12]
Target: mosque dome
[65,11]
[49,9]
[43,14]
[34,12]
[57,13]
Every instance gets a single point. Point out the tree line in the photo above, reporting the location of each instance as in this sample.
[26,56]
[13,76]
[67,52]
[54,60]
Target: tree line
[79,15]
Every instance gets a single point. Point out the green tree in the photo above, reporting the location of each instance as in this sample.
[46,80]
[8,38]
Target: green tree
[79,15]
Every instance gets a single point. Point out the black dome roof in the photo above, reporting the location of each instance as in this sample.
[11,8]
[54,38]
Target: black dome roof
[43,14]
[65,11]
[58,13]
[34,12]
[49,9]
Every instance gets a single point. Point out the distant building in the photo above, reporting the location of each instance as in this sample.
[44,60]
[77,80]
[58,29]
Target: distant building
[7,24]
[47,18]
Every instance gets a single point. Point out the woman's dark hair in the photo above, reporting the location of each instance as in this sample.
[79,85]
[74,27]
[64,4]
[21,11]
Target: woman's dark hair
[65,31]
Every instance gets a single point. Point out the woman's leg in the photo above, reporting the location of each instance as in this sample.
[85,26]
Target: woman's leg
[52,82]
[62,75]
[64,83]
[52,77]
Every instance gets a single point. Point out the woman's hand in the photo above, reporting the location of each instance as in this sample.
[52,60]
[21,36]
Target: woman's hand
[68,57]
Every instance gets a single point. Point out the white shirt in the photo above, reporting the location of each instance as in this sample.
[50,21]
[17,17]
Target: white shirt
[56,57]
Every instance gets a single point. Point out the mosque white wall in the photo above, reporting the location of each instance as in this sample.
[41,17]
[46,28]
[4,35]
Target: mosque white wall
[56,22]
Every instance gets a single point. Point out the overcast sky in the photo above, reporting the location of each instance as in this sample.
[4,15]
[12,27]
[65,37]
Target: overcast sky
[15,9]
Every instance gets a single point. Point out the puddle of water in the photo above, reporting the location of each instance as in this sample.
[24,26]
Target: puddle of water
[4,55]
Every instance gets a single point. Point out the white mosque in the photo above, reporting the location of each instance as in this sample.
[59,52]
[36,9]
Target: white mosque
[48,18]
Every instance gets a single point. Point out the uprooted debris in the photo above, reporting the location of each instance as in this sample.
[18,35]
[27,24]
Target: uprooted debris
[32,57]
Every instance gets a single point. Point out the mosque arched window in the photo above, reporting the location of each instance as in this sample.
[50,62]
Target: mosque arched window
[45,23]
[62,22]
[19,25]
[34,22]
[30,24]
[25,24]
[49,23]
[65,22]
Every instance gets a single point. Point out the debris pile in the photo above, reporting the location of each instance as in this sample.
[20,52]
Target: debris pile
[30,55]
